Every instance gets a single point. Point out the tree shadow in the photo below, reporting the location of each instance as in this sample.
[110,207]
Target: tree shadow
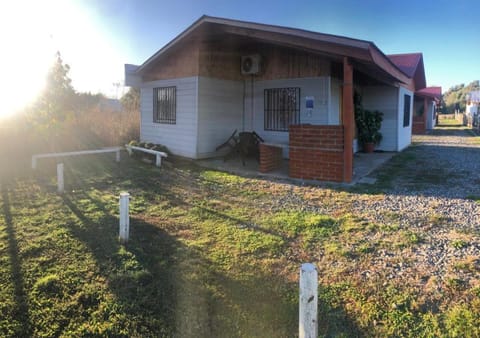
[178,291]
[21,311]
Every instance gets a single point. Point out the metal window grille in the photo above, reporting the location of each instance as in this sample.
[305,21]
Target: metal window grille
[165,105]
[406,110]
[282,108]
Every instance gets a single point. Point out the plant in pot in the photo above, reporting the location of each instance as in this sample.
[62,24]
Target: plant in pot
[368,126]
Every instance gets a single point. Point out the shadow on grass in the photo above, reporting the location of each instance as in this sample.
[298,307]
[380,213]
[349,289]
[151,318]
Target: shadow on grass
[176,290]
[20,313]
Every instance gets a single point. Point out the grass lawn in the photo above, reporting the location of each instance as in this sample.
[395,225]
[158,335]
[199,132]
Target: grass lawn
[210,255]
[449,123]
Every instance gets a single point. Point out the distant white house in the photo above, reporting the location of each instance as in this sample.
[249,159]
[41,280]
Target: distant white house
[473,101]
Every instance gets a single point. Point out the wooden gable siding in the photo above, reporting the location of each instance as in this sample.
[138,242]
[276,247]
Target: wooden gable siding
[222,61]
[178,63]
[277,62]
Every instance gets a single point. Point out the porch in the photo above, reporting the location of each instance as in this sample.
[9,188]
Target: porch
[363,165]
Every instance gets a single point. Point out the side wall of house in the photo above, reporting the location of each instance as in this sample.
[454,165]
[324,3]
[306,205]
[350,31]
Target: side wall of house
[431,120]
[384,99]
[220,110]
[181,137]
[318,88]
[404,133]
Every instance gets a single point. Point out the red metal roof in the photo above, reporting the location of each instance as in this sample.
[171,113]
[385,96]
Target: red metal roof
[432,92]
[407,63]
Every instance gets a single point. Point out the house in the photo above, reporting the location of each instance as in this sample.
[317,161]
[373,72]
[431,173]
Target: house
[473,101]
[293,87]
[426,99]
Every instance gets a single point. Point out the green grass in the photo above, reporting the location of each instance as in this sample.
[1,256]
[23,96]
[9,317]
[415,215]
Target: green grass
[448,122]
[209,256]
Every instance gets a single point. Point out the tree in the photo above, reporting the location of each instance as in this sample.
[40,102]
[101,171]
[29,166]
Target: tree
[131,100]
[56,103]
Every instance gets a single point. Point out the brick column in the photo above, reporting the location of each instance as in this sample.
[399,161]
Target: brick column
[348,120]
[270,158]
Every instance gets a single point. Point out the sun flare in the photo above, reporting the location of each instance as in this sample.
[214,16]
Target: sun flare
[30,39]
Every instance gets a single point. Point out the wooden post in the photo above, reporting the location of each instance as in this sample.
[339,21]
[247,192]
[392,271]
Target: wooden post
[348,120]
[308,303]
[117,156]
[60,182]
[124,217]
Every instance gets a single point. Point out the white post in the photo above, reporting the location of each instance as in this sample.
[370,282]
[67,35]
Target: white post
[60,183]
[117,156]
[158,161]
[308,303]
[124,217]
[34,162]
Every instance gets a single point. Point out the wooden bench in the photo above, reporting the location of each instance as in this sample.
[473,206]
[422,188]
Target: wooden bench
[158,154]
[76,153]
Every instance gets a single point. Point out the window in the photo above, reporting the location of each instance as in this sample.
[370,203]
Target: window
[282,108]
[164,105]
[406,110]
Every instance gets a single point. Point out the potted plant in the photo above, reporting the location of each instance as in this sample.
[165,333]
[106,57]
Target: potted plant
[368,126]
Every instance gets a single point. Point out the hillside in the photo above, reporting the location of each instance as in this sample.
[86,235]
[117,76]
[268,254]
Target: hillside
[457,94]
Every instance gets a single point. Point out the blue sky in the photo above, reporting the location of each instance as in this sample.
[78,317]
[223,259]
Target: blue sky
[96,37]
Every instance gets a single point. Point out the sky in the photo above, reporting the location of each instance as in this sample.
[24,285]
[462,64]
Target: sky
[97,37]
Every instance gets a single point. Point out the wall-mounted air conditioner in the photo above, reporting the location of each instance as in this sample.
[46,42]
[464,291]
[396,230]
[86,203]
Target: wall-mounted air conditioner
[250,64]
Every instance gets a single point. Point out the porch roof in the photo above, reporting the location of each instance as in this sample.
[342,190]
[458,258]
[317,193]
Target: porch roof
[365,53]
[430,92]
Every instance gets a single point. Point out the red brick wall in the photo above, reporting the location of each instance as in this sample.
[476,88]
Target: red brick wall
[270,158]
[316,152]
[418,126]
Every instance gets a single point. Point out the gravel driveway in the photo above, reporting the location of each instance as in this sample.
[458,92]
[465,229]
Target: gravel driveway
[434,195]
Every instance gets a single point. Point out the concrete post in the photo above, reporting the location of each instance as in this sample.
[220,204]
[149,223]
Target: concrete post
[124,217]
[60,182]
[117,156]
[158,160]
[308,302]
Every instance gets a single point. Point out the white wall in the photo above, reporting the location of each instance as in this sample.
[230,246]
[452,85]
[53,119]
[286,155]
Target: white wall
[404,133]
[471,108]
[431,115]
[180,138]
[384,99]
[220,112]
[319,88]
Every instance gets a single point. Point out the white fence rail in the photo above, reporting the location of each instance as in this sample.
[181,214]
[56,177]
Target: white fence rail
[76,153]
[158,154]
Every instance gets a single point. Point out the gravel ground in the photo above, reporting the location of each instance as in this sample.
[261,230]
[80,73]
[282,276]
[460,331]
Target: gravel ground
[440,208]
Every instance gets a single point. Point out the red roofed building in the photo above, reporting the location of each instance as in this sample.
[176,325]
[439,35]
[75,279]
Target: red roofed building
[293,87]
[426,98]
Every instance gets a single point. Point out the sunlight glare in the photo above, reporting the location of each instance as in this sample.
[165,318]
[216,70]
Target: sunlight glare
[31,32]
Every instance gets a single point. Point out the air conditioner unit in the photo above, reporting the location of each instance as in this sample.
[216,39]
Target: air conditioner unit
[250,64]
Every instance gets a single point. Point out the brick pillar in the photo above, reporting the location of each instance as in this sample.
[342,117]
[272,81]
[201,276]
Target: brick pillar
[348,120]
[270,158]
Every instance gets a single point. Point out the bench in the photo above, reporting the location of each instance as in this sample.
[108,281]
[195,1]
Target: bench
[76,153]
[158,154]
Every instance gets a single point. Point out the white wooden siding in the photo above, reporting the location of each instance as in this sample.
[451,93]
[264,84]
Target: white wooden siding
[404,133]
[180,138]
[431,115]
[335,102]
[319,88]
[384,99]
[220,112]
